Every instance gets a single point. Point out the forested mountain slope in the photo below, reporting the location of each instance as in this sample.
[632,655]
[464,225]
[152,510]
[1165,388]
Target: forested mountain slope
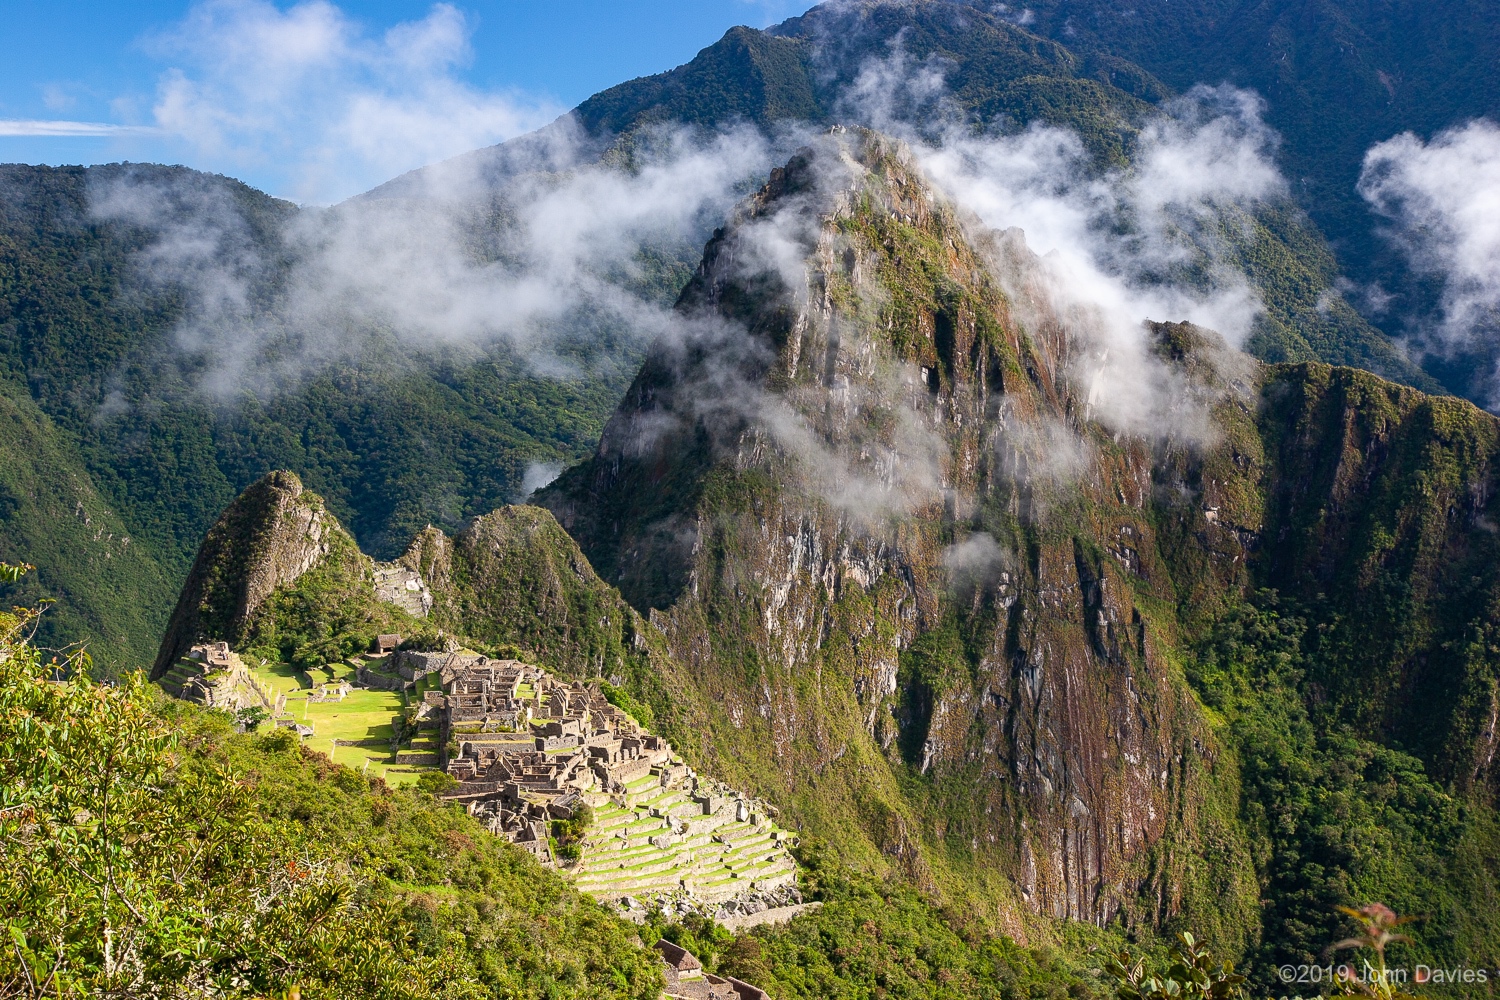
[925,596]
[91,350]
[109,587]
[1337,77]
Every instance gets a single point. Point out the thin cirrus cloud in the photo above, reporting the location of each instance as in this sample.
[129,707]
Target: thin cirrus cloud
[35,127]
[310,100]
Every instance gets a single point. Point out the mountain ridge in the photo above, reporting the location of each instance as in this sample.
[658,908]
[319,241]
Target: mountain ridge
[839,667]
[95,350]
[892,574]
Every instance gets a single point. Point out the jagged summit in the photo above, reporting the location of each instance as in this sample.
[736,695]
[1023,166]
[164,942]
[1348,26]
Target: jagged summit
[273,533]
[810,486]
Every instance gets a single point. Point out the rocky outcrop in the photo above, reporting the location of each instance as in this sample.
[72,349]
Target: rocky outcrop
[272,534]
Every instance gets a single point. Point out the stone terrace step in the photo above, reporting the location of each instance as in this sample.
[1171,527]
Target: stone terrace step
[414,757]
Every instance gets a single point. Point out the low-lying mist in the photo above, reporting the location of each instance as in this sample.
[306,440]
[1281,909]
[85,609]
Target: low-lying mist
[572,259]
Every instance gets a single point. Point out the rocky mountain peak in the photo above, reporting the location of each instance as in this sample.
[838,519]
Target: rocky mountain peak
[857,445]
[273,533]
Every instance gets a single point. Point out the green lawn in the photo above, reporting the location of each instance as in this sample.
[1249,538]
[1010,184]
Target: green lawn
[363,714]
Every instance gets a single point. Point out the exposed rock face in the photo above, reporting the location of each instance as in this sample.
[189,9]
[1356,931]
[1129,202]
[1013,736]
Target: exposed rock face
[272,534]
[886,462]
[913,578]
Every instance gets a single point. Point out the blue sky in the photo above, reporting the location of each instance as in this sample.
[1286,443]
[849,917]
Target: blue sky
[319,100]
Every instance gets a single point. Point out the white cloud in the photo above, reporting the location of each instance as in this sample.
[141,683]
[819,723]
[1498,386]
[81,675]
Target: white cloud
[1118,248]
[538,474]
[976,561]
[307,96]
[448,262]
[33,127]
[1443,200]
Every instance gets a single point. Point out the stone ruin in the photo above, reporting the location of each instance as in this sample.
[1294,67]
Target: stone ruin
[686,980]
[400,670]
[210,674]
[527,748]
[397,584]
[215,655]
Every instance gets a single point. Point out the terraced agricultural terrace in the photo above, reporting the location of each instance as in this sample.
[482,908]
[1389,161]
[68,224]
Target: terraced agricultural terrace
[543,761]
[660,845]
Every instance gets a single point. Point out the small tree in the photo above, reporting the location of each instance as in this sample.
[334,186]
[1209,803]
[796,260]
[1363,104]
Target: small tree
[249,718]
[1192,973]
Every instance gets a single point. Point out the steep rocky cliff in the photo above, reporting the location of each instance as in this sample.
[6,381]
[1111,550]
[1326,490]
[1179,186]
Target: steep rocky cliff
[931,591]
[272,534]
[881,536]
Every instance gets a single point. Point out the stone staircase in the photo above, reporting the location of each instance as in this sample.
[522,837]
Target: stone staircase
[185,673]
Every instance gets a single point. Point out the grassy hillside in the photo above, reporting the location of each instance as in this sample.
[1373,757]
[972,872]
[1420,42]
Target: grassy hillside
[146,846]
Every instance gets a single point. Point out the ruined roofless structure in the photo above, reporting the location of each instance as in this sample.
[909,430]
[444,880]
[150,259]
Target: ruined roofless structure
[527,748]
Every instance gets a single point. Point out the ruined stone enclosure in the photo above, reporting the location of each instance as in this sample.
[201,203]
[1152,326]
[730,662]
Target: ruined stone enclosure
[528,749]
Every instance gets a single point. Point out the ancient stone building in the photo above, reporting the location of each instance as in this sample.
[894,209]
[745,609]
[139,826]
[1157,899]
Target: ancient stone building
[528,748]
[686,980]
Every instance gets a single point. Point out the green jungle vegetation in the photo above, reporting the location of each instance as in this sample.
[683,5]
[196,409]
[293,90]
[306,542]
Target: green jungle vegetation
[133,451]
[147,848]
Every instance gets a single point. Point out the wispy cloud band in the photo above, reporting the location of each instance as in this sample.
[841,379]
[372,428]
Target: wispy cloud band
[34,127]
